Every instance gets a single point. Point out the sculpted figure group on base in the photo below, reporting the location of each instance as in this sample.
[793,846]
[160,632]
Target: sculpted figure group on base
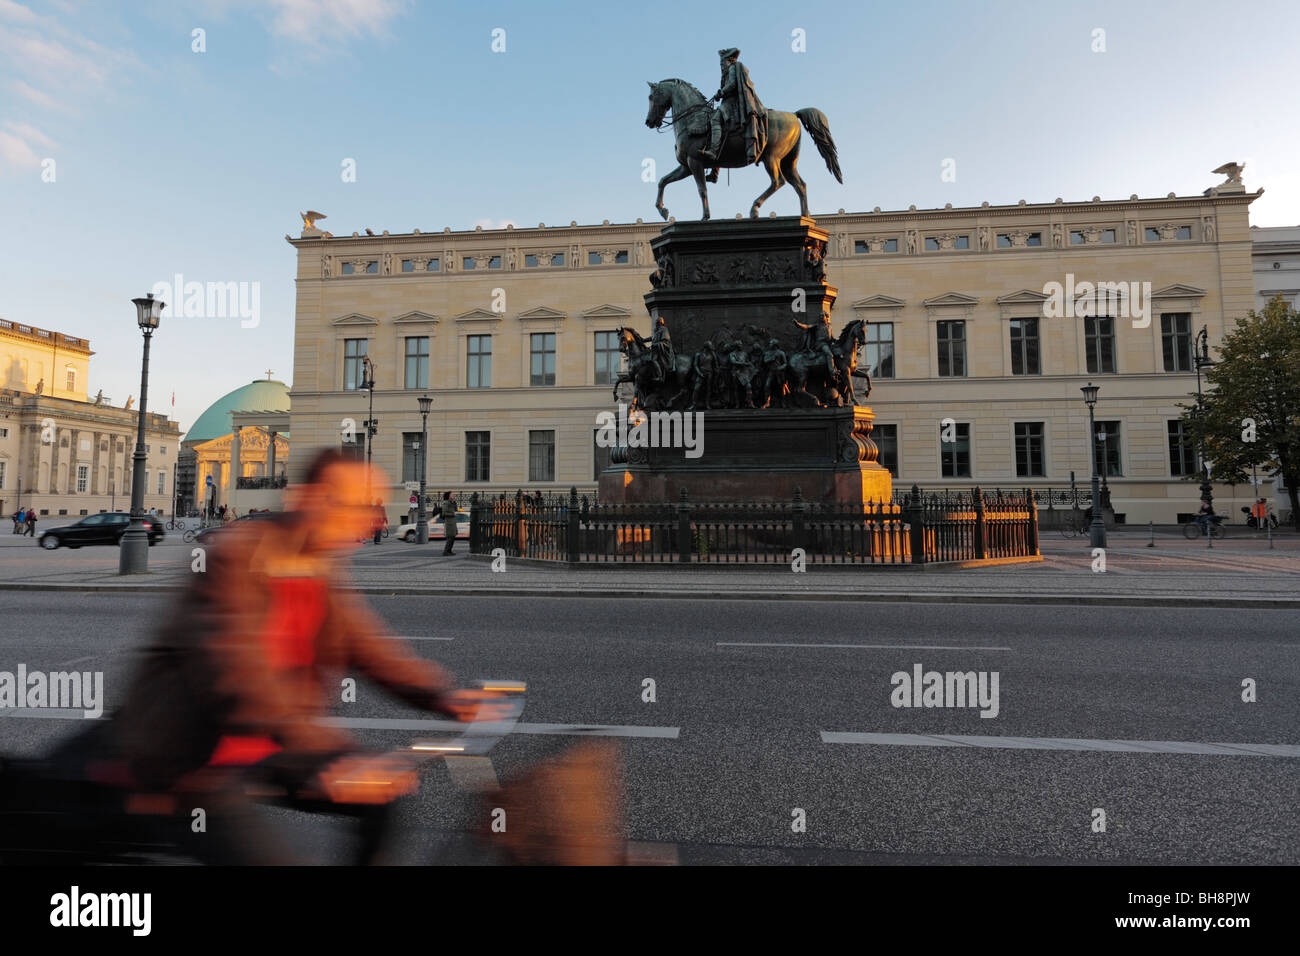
[746,368]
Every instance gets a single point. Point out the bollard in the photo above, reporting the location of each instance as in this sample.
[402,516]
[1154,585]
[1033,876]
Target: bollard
[1152,526]
[1269,525]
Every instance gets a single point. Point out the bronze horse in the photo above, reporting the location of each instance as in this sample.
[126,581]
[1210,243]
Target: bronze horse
[780,157]
[643,373]
[804,369]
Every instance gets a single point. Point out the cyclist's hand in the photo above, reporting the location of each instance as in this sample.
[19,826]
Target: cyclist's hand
[369,778]
[468,705]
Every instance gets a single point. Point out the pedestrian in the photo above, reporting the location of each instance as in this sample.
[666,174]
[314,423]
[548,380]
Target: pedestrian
[448,514]
[31,522]
[381,519]
[19,517]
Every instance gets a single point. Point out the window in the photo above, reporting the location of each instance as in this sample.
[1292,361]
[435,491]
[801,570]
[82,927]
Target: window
[1106,449]
[1182,456]
[354,448]
[1024,347]
[886,439]
[861,247]
[931,244]
[878,353]
[372,267]
[162,449]
[530,261]
[417,361]
[1099,342]
[347,269]
[542,367]
[541,456]
[3,468]
[593,258]
[494,262]
[83,479]
[1029,450]
[72,379]
[479,372]
[162,487]
[600,455]
[1034,239]
[1184,232]
[354,373]
[408,265]
[432,266]
[1076,237]
[955,455]
[1004,241]
[410,456]
[1151,234]
[478,453]
[1108,235]
[963,242]
[891,245]
[1176,341]
[608,359]
[467,263]
[952,347]
[557,259]
[4,433]
[620,256]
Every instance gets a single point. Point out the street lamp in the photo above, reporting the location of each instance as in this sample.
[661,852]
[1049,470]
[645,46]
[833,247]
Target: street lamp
[1202,360]
[1097,530]
[133,554]
[421,516]
[368,383]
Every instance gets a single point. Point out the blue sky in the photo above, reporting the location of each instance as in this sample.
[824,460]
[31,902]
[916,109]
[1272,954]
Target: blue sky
[170,161]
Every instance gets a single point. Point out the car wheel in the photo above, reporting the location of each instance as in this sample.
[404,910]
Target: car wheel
[49,542]
[409,537]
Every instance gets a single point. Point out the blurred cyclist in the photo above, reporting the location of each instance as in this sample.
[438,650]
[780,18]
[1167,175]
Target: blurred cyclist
[232,690]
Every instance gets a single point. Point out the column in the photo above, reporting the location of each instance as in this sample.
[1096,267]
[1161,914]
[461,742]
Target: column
[270,457]
[235,469]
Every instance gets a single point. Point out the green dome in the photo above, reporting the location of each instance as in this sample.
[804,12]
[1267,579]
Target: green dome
[264,395]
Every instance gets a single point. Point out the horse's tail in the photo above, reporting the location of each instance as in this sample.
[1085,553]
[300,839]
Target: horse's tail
[819,127]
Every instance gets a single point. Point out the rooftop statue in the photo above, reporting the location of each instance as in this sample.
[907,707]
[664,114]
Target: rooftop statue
[739,133]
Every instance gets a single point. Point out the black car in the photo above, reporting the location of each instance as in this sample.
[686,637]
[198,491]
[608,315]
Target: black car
[104,528]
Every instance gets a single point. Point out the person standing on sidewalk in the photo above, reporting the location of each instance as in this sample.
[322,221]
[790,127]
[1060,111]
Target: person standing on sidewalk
[381,519]
[19,517]
[31,522]
[447,512]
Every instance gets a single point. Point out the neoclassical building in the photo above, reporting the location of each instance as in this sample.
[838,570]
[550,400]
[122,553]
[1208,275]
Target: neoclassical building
[991,316]
[237,452]
[62,452]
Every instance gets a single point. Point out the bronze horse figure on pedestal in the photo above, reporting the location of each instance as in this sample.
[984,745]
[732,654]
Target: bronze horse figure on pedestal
[690,122]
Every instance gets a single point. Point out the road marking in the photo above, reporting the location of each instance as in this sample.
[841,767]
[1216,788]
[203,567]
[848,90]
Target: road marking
[419,637]
[1064,743]
[576,730]
[472,773]
[866,647]
[55,713]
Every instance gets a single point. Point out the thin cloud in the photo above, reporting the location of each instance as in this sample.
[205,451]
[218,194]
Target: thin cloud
[319,24]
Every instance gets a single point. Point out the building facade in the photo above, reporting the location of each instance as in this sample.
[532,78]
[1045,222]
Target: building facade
[237,452]
[984,324]
[61,452]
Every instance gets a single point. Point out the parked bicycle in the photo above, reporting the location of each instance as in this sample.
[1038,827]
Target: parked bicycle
[1075,523]
[1252,521]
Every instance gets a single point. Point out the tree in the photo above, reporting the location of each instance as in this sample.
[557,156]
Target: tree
[1250,414]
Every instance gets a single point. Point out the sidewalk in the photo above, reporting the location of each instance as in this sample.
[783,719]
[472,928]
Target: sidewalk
[1236,572]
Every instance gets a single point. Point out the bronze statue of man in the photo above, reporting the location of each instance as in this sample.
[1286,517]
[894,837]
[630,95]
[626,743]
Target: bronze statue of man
[739,107]
[817,338]
[661,348]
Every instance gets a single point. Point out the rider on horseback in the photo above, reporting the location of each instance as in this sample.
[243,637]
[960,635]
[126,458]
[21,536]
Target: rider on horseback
[661,350]
[817,338]
[740,107]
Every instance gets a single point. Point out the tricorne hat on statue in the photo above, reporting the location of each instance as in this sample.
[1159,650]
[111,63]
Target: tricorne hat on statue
[728,53]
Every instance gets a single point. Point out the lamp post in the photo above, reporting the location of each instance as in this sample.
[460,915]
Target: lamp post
[368,383]
[1202,360]
[1097,530]
[421,516]
[133,554]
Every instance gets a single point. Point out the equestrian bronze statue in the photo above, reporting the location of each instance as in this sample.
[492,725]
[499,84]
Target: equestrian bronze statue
[742,131]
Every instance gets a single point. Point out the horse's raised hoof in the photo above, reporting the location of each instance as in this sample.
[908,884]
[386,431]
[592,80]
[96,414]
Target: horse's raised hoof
[663,211]
[753,212]
[705,217]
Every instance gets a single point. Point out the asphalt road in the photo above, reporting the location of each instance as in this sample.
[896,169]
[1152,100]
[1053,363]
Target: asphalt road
[736,730]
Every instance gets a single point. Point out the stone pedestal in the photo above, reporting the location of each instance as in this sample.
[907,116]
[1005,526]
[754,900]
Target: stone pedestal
[759,455]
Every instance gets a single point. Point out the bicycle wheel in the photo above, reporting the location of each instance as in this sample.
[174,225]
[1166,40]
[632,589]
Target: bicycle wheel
[1216,530]
[1192,531]
[188,536]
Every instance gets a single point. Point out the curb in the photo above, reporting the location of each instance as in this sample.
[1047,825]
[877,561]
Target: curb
[899,597]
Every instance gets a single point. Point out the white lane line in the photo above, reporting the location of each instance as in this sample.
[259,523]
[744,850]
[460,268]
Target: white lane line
[472,773]
[1064,743]
[575,730]
[49,713]
[865,647]
[420,637]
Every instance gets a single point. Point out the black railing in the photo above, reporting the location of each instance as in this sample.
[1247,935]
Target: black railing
[254,482]
[922,529]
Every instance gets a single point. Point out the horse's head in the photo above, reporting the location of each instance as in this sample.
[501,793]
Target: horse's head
[853,335]
[660,100]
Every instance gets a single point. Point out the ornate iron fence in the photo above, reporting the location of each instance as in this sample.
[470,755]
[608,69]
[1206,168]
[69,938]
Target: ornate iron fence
[922,529]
